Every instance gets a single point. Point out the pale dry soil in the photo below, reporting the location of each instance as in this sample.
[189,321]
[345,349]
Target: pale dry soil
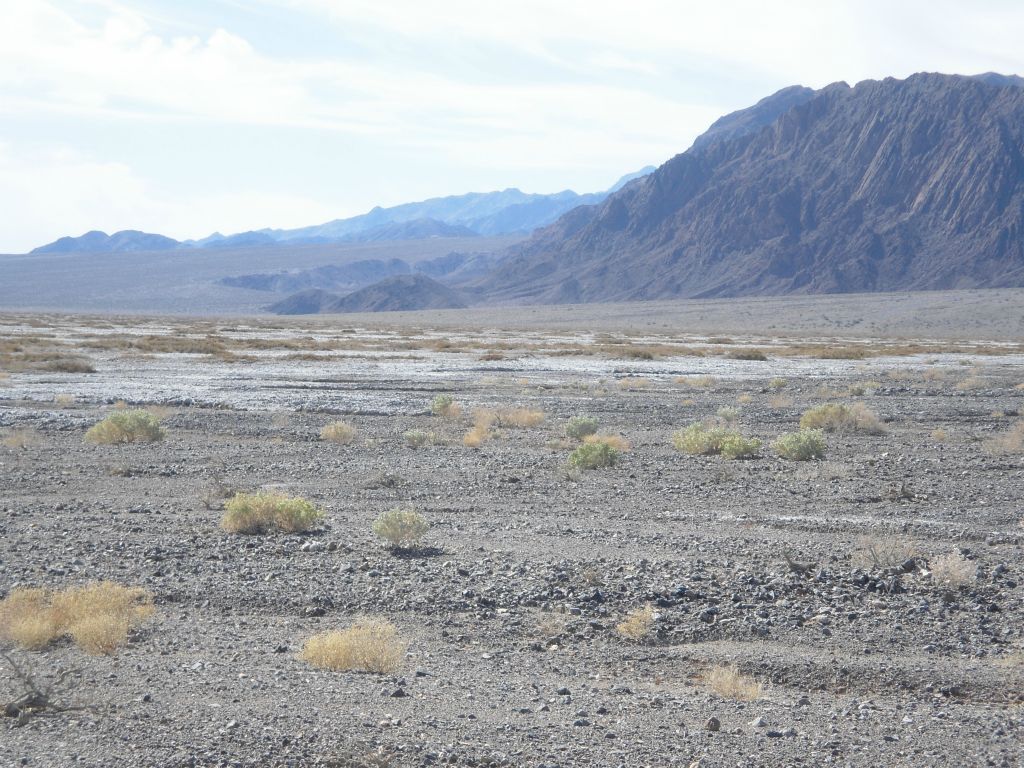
[510,608]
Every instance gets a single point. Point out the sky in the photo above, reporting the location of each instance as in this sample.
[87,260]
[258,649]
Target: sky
[185,117]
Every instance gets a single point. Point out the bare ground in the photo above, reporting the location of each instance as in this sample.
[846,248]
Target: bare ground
[510,610]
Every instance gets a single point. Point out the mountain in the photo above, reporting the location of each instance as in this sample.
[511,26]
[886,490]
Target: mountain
[508,211]
[101,242]
[414,229]
[890,185]
[399,293]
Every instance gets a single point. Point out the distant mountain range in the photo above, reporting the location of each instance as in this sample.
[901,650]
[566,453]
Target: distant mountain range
[477,213]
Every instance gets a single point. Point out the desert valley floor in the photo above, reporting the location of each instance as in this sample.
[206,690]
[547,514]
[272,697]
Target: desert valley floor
[875,595]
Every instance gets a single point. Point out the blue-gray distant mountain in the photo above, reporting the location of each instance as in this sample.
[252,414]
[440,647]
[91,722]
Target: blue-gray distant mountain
[399,293]
[509,211]
[101,242]
[890,185]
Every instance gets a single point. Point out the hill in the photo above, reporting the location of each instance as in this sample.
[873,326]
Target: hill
[398,293]
[891,185]
[127,240]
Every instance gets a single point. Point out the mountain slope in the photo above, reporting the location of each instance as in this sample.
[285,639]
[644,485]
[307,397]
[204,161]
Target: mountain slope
[891,185]
[399,293]
[101,242]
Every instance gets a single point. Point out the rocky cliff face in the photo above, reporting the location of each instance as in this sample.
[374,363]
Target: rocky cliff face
[890,185]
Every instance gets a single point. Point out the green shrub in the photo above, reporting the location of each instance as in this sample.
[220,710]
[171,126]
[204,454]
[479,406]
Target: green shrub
[838,417]
[737,446]
[804,445]
[578,427]
[700,439]
[401,528]
[259,512]
[728,413]
[126,427]
[593,456]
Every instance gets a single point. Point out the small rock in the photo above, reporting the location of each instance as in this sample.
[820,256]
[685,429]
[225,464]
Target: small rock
[713,724]
[758,722]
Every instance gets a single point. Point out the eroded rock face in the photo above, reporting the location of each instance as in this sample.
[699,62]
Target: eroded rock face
[889,185]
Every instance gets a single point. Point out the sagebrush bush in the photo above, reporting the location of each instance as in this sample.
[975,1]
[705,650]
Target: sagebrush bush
[340,432]
[126,427]
[417,438]
[259,512]
[839,417]
[700,439]
[728,413]
[805,445]
[97,616]
[402,528]
[578,427]
[729,683]
[735,446]
[593,456]
[638,624]
[369,645]
[446,407]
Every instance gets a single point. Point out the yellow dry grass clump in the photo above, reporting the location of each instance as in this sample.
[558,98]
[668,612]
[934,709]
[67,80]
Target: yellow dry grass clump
[340,432]
[637,625]
[951,570]
[20,439]
[369,645]
[259,512]
[617,442]
[729,683]
[97,616]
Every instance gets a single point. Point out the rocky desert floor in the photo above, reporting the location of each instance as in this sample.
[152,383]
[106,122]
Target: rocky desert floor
[876,596]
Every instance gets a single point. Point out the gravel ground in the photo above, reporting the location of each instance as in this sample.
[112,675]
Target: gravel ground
[511,607]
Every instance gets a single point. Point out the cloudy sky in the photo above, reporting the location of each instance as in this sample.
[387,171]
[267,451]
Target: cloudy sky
[188,116]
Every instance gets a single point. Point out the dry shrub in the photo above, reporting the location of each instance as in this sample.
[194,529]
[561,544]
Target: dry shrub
[417,438]
[951,570]
[259,512]
[64,400]
[939,435]
[126,427]
[97,616]
[476,437]
[745,399]
[839,417]
[340,432]
[519,418]
[728,413]
[401,528]
[634,382]
[369,645]
[1009,443]
[617,442]
[445,407]
[842,353]
[777,383]
[638,624]
[971,383]
[748,354]
[729,683]
[20,439]
[884,552]
[549,625]
[778,402]
[697,382]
